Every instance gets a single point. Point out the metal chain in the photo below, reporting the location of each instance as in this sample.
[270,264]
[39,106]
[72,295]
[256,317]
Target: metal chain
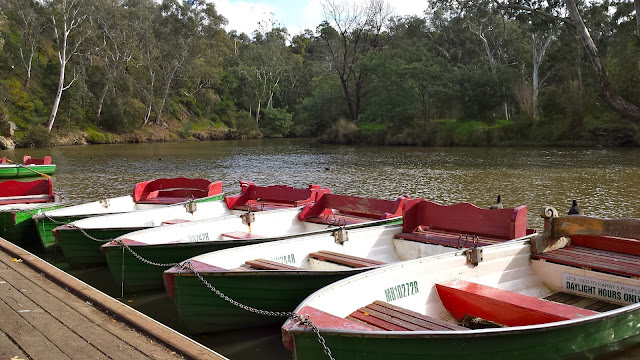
[89,236]
[303,320]
[52,220]
[139,257]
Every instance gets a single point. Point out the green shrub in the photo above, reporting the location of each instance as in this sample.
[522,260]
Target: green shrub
[342,131]
[276,123]
[37,136]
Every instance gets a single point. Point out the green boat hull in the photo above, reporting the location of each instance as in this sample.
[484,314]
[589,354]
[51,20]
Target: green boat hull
[202,311]
[24,171]
[580,340]
[81,251]
[135,275]
[18,226]
[45,227]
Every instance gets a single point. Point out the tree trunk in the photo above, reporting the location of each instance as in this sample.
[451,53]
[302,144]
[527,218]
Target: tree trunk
[624,107]
[63,63]
[101,100]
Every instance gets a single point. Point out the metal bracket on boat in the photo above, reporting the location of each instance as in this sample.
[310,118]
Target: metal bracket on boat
[104,203]
[341,235]
[474,255]
[335,221]
[191,206]
[248,218]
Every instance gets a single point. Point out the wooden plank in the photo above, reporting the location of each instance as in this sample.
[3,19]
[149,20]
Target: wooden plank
[594,259]
[504,307]
[9,350]
[264,264]
[77,293]
[70,342]
[241,235]
[414,314]
[448,239]
[26,336]
[609,243]
[384,316]
[92,327]
[343,259]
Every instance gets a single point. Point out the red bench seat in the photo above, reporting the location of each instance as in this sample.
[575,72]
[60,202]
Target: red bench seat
[504,307]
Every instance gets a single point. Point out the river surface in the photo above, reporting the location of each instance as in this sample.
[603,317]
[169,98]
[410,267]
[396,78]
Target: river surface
[606,183]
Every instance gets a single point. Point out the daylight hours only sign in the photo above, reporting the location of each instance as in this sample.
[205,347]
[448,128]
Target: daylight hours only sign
[605,290]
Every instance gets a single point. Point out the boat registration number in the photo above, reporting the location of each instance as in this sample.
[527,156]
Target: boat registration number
[401,291]
[606,290]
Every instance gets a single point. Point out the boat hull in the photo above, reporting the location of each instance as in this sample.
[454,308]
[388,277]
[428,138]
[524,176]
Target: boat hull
[134,275]
[18,226]
[16,171]
[202,311]
[580,340]
[81,251]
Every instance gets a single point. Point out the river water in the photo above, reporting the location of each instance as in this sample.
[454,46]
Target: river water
[606,183]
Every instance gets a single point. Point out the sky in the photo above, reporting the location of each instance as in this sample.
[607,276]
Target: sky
[295,15]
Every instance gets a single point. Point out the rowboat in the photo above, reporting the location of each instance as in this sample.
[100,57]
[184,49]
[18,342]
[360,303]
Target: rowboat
[276,276]
[19,200]
[570,293]
[171,244]
[29,167]
[80,240]
[146,195]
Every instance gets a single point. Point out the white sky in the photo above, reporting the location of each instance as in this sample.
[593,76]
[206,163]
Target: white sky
[295,15]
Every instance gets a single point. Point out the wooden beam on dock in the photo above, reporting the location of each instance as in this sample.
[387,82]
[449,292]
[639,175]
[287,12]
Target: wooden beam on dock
[49,314]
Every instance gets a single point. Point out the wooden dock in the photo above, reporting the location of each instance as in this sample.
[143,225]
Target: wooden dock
[47,314]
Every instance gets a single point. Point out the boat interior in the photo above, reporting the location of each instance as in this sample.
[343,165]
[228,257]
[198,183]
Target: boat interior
[578,267]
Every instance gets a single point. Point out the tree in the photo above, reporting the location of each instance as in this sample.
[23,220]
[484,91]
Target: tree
[350,32]
[31,25]
[67,18]
[574,20]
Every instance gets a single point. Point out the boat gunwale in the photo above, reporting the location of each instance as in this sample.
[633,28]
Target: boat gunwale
[611,314]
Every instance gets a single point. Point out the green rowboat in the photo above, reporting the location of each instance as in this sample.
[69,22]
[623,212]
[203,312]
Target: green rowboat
[80,240]
[519,300]
[146,195]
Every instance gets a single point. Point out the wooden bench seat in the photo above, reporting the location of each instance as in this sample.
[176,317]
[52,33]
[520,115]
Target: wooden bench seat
[174,221]
[241,235]
[594,259]
[383,316]
[343,259]
[447,238]
[339,219]
[25,199]
[263,264]
[503,307]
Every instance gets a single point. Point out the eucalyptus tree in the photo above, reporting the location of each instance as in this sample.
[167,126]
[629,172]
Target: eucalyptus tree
[350,32]
[71,26]
[28,17]
[569,14]
[114,48]
[179,33]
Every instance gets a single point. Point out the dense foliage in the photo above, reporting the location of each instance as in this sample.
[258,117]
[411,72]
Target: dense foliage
[465,73]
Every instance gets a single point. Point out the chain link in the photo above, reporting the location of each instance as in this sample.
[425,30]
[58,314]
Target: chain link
[53,220]
[139,257]
[89,236]
[303,320]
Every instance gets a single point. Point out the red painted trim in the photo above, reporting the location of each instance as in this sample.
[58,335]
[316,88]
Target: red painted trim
[609,243]
[322,320]
[466,218]
[168,191]
[259,197]
[10,188]
[371,208]
[509,308]
[595,259]
[28,160]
